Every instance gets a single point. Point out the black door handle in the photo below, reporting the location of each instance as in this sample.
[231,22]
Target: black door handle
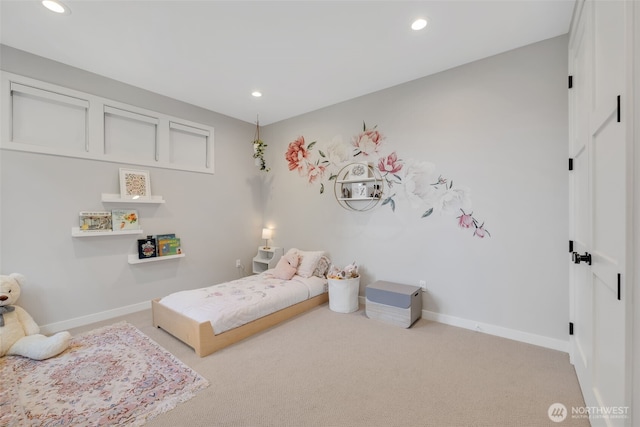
[577,258]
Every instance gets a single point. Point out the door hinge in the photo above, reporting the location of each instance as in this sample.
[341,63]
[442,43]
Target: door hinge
[570,328]
[618,108]
[619,287]
[570,245]
[570,164]
[570,82]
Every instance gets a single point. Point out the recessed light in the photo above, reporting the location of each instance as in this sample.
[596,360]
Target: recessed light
[419,24]
[256,93]
[56,6]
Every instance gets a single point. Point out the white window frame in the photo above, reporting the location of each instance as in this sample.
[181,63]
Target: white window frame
[96,108]
[196,130]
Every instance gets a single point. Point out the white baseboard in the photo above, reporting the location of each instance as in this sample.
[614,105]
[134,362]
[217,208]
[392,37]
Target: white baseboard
[52,328]
[498,331]
[486,328]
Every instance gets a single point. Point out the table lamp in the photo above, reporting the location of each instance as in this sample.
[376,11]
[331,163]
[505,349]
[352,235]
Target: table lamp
[266,235]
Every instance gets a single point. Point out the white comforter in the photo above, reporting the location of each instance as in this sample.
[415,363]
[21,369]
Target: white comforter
[232,304]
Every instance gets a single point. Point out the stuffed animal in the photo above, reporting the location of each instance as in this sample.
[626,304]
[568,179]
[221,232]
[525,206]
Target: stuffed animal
[19,333]
[287,266]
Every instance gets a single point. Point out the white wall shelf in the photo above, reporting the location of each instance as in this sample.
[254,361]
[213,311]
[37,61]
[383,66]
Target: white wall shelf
[133,258]
[360,193]
[76,232]
[355,180]
[115,198]
[353,199]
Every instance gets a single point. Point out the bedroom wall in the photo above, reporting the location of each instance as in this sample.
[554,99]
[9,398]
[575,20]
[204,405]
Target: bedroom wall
[77,280]
[497,126]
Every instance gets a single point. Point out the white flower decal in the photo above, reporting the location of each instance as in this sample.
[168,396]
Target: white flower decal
[418,180]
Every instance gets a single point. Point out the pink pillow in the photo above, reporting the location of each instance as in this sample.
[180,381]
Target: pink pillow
[286,267]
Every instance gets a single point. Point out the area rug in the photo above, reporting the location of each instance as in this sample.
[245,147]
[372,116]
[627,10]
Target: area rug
[111,376]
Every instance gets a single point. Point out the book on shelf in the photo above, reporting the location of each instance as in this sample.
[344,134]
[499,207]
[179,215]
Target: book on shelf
[147,248]
[125,219]
[169,246]
[159,237]
[95,221]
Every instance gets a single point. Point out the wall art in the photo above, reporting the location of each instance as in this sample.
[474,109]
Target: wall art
[135,184]
[415,180]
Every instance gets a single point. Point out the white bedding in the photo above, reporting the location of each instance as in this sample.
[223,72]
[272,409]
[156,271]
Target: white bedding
[232,304]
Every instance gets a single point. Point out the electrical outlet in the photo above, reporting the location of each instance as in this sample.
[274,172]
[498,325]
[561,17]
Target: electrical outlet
[238,265]
[423,284]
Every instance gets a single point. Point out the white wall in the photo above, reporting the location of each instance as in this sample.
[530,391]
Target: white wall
[497,126]
[218,217]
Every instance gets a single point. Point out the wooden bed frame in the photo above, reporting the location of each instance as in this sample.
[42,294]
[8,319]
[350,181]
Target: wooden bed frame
[200,336]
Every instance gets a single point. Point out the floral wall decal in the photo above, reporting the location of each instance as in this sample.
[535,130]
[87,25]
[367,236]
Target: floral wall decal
[313,164]
[467,221]
[368,142]
[416,181]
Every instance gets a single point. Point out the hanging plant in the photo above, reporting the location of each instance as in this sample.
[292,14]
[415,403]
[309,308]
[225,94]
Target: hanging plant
[258,150]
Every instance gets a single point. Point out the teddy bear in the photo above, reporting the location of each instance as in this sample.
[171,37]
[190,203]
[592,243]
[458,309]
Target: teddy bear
[19,333]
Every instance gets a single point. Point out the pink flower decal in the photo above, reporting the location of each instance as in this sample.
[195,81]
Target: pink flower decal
[315,172]
[296,154]
[481,232]
[465,220]
[368,141]
[300,156]
[390,164]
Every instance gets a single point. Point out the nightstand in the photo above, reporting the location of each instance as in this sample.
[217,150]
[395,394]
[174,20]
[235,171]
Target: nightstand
[266,258]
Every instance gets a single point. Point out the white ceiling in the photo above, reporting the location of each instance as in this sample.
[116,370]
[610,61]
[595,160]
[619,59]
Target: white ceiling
[303,55]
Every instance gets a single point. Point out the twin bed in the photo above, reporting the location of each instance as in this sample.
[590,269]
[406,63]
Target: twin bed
[209,319]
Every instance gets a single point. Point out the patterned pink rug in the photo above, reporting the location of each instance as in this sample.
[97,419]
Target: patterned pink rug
[111,376]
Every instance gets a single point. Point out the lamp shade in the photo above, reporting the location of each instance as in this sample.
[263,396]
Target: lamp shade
[267,233]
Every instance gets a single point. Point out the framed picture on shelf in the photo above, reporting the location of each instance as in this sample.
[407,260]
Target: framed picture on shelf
[135,184]
[359,171]
[359,191]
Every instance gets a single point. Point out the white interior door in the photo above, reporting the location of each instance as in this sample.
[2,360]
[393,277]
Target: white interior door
[598,209]
[580,293]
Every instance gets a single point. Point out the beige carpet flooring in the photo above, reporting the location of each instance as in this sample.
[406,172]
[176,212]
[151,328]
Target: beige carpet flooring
[331,369]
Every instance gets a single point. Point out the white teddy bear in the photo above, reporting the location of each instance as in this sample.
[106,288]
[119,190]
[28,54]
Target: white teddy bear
[19,333]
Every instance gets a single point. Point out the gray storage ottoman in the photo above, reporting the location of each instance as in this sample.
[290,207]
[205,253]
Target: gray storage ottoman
[393,303]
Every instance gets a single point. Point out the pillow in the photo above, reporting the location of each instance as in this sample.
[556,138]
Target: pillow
[308,262]
[322,267]
[283,270]
[292,251]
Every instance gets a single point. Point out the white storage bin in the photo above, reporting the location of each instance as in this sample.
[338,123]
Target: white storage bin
[343,295]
